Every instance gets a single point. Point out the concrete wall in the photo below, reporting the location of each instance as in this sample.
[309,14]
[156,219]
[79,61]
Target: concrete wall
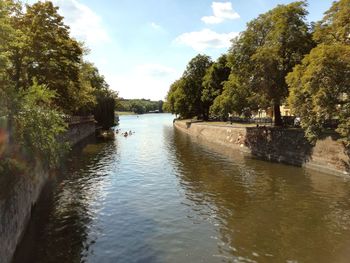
[275,144]
[16,205]
[78,131]
[15,210]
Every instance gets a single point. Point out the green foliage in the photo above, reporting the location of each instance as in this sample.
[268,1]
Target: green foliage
[7,34]
[185,94]
[104,112]
[139,106]
[42,74]
[268,50]
[43,49]
[39,125]
[234,99]
[335,25]
[320,89]
[320,85]
[213,82]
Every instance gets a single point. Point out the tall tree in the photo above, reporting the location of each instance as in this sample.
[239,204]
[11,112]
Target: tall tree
[96,96]
[268,50]
[193,84]
[170,99]
[320,86]
[335,25]
[213,83]
[47,54]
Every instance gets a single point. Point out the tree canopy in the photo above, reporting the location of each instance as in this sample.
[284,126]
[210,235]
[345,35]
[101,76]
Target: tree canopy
[43,77]
[278,59]
[320,85]
[268,50]
[185,94]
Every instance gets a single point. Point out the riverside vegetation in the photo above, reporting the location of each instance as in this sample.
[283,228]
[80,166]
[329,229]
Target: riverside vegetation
[44,78]
[279,59]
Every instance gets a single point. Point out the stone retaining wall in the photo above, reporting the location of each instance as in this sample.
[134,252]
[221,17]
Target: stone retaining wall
[16,206]
[275,144]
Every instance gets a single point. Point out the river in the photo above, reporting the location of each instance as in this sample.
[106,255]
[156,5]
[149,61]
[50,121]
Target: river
[160,196]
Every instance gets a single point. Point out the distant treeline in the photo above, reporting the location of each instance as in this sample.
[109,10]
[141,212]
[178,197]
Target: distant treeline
[139,106]
[280,58]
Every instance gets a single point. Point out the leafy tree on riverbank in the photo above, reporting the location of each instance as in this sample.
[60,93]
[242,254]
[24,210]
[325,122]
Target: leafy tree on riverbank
[233,99]
[213,83]
[38,125]
[320,86]
[259,60]
[43,78]
[47,53]
[185,94]
[268,50]
[99,100]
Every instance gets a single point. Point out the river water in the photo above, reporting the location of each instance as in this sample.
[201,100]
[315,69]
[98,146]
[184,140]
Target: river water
[160,196]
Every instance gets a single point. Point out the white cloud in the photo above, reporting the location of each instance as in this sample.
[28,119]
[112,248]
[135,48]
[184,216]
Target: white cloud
[206,38]
[155,70]
[149,81]
[156,26]
[221,11]
[85,24]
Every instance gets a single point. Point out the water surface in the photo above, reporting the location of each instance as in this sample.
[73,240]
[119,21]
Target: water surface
[160,196]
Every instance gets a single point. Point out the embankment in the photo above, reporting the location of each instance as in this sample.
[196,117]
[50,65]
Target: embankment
[275,144]
[16,205]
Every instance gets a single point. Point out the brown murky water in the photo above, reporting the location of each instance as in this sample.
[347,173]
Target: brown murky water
[159,196]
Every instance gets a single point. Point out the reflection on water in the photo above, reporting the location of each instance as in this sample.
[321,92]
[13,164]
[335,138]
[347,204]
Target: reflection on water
[160,196]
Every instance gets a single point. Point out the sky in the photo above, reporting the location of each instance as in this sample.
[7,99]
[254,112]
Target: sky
[142,46]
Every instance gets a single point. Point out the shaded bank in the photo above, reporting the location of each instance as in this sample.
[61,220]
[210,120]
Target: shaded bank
[20,198]
[275,144]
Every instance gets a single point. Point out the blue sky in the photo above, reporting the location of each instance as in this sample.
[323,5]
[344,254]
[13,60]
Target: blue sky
[142,46]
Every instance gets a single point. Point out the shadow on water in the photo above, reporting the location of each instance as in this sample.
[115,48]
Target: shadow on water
[265,211]
[63,225]
[66,241]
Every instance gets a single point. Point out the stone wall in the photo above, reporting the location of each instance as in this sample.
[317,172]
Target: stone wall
[17,204]
[79,130]
[275,144]
[15,210]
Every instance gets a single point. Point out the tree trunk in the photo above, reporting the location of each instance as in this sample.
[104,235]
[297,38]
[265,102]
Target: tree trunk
[277,115]
[10,123]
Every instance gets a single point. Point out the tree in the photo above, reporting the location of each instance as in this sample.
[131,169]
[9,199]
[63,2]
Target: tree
[320,89]
[7,33]
[213,83]
[193,84]
[46,53]
[334,27]
[184,96]
[39,125]
[96,97]
[170,99]
[233,99]
[268,50]
[320,85]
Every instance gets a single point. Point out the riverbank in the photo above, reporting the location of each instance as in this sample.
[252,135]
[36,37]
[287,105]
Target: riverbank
[274,144]
[16,206]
